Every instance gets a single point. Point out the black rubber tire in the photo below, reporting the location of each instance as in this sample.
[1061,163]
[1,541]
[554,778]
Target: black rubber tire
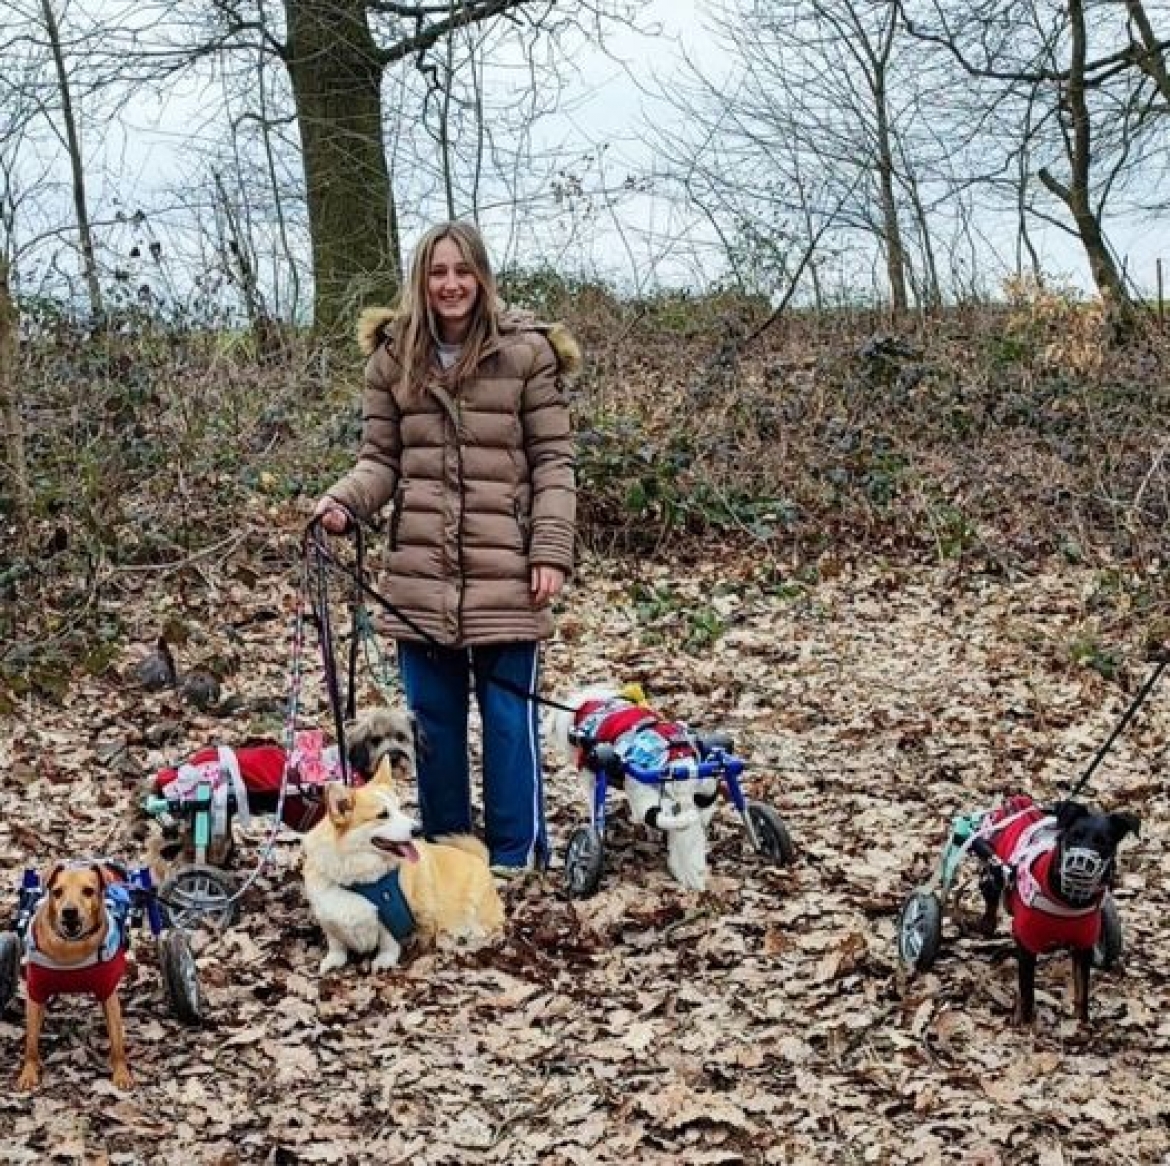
[180,976]
[773,839]
[1108,948]
[198,896]
[584,862]
[10,955]
[919,931]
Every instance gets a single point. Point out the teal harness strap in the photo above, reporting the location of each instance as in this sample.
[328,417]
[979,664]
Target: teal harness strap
[390,903]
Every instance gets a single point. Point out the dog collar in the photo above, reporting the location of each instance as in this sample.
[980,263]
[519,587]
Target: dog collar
[393,910]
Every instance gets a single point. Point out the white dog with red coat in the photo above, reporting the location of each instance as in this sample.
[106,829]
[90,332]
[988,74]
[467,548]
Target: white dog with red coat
[681,809]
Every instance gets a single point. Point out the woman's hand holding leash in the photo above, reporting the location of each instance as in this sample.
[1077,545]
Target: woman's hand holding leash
[546,584]
[334,517]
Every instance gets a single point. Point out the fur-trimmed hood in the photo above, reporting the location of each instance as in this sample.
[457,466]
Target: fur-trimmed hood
[374,329]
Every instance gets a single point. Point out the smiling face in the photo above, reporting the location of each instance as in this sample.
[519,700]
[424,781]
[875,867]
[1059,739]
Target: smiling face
[371,816]
[452,290]
[75,902]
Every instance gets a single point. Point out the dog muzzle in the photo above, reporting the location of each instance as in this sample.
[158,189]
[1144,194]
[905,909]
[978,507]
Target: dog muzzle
[1083,872]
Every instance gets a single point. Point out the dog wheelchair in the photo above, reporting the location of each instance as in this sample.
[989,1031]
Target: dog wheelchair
[920,920]
[176,963]
[714,759]
[196,804]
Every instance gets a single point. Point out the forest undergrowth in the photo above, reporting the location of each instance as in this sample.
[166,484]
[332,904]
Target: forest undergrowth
[910,567]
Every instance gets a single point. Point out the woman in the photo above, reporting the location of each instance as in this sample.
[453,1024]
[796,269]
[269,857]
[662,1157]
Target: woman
[466,431]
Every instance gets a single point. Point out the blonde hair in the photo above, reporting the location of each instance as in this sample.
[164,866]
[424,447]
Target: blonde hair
[419,335]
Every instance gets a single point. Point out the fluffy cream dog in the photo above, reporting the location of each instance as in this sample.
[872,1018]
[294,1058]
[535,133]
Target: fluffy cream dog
[681,809]
[373,884]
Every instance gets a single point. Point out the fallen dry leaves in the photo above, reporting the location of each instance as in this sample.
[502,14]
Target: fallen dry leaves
[765,1021]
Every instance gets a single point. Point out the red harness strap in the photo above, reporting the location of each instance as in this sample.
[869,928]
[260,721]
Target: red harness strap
[1040,922]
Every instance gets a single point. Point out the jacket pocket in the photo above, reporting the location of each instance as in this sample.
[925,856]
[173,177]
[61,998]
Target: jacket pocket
[396,516]
[523,522]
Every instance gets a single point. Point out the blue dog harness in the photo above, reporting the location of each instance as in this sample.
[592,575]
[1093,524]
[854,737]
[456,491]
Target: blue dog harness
[393,910]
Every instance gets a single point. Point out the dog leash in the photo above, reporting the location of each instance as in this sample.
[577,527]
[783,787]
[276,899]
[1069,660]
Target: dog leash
[326,558]
[292,705]
[315,551]
[1135,704]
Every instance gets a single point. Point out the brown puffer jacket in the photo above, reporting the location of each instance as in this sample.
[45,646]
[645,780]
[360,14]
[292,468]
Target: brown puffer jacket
[482,482]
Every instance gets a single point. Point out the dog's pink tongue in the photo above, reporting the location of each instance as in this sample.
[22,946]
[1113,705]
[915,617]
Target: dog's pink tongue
[410,852]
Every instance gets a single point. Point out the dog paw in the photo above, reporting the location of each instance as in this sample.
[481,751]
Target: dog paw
[29,1079]
[332,962]
[384,960]
[121,1077]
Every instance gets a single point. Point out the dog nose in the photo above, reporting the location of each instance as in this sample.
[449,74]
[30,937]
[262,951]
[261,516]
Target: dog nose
[416,831]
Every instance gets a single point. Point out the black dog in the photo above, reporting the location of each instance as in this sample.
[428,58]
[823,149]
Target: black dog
[1052,876]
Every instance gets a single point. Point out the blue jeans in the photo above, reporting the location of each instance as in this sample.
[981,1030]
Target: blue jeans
[438,690]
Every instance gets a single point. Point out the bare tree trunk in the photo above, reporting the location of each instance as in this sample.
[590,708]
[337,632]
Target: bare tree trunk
[76,163]
[477,88]
[895,251]
[1075,195]
[445,122]
[896,260]
[931,286]
[1150,60]
[292,308]
[15,466]
[336,71]
[264,332]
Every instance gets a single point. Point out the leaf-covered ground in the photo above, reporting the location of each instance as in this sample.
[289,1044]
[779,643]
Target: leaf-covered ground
[764,1021]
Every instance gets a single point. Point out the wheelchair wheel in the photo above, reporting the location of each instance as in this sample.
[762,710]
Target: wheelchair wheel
[1107,951]
[10,952]
[584,860]
[198,896]
[180,976]
[919,930]
[772,838]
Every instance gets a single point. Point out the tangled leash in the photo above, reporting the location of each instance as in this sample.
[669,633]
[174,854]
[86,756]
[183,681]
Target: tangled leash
[325,560]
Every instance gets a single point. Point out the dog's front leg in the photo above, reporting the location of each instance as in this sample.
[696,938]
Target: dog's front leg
[1082,971]
[1026,986]
[30,1072]
[338,954]
[389,949]
[686,857]
[991,887]
[119,1065]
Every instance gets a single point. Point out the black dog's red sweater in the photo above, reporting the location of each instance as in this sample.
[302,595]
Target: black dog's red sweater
[1024,838]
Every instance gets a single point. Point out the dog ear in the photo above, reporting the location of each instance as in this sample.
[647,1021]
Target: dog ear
[1069,812]
[1121,824]
[55,872]
[102,875]
[339,803]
